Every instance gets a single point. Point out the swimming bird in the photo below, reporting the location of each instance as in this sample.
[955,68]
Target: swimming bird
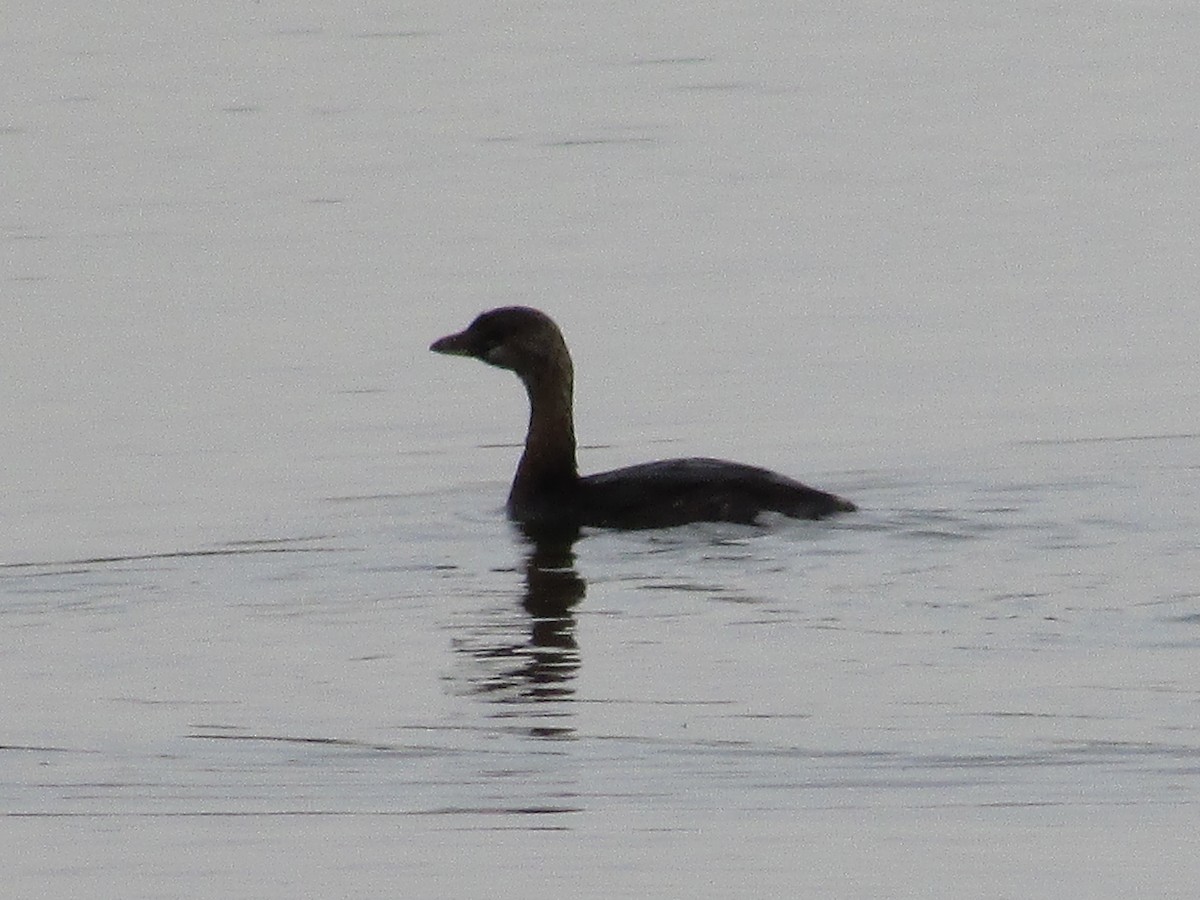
[548,490]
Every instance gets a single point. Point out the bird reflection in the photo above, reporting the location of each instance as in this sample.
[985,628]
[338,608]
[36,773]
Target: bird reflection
[542,665]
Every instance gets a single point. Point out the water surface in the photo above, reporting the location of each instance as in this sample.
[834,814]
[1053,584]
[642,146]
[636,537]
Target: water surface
[265,631]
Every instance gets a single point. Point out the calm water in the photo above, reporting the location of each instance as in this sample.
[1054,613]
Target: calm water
[263,628]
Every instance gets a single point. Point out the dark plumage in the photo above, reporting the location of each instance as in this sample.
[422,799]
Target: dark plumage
[547,489]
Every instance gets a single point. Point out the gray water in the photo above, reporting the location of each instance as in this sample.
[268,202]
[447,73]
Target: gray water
[264,630]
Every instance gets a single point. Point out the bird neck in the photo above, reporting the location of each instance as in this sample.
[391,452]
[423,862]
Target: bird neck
[549,458]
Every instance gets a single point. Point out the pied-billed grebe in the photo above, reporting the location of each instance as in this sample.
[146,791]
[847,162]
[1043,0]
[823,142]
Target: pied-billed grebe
[547,489]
